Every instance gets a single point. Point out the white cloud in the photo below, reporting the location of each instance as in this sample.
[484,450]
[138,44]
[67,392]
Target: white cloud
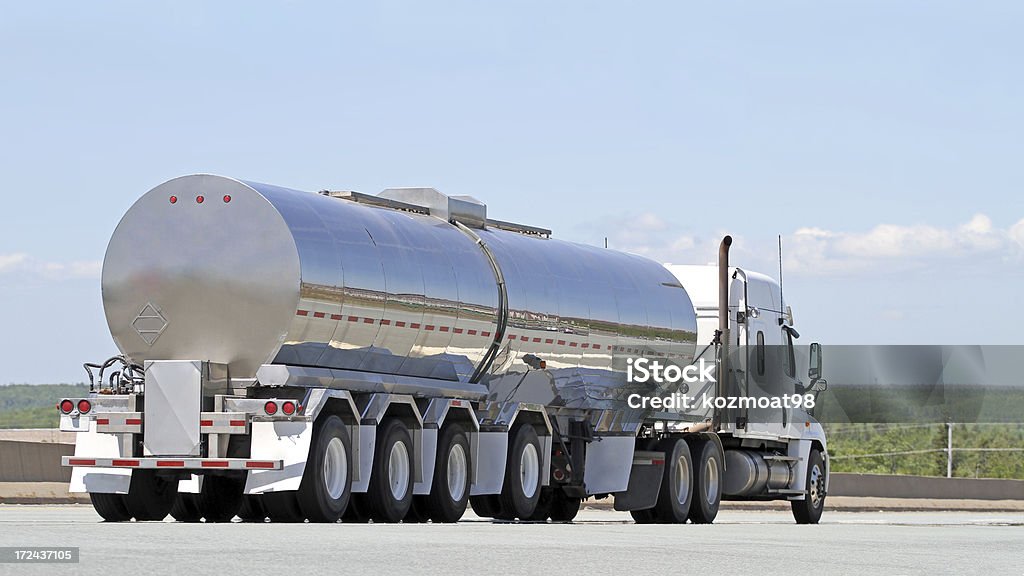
[20,263]
[818,251]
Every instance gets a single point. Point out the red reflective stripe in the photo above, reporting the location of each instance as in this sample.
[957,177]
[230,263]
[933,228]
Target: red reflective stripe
[214,464]
[206,422]
[657,461]
[255,464]
[585,345]
[443,328]
[549,341]
[81,462]
[414,326]
[318,314]
[385,322]
[132,421]
[367,320]
[485,334]
[236,423]
[400,324]
[457,330]
[353,318]
[536,339]
[170,463]
[471,332]
[302,312]
[102,421]
[572,344]
[561,342]
[511,337]
[429,327]
[336,316]
[124,463]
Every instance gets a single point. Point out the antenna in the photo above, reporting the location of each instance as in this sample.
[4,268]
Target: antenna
[605,241]
[782,300]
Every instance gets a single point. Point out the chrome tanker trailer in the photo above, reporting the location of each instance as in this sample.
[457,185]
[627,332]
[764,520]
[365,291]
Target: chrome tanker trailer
[300,356]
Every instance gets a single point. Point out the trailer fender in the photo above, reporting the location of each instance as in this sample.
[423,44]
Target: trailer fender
[438,411]
[283,440]
[93,444]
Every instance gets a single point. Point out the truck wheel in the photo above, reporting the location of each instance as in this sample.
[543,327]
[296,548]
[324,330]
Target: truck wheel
[677,483]
[523,474]
[327,481]
[282,507]
[564,508]
[221,497]
[251,509]
[449,492]
[808,510]
[485,506]
[110,507]
[646,516]
[150,497]
[390,493]
[707,462]
[186,508]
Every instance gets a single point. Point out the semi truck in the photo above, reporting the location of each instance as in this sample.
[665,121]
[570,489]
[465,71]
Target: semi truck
[399,357]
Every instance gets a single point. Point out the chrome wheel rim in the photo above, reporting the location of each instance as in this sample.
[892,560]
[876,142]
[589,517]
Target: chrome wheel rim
[681,474]
[335,468]
[711,480]
[529,466]
[817,486]
[398,470]
[458,471]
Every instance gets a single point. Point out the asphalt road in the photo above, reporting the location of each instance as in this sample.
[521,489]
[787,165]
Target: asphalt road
[599,542]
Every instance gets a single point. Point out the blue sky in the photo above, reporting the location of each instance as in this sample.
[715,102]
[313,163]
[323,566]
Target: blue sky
[882,140]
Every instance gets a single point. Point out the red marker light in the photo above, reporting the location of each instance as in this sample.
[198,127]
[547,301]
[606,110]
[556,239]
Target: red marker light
[199,199]
[84,406]
[227,198]
[173,199]
[270,408]
[66,406]
[288,408]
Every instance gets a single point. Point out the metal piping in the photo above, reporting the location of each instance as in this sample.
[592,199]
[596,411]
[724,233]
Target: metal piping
[723,317]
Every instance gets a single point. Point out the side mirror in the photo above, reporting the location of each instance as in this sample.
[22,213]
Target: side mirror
[814,372]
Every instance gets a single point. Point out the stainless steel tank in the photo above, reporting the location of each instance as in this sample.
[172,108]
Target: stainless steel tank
[213,268]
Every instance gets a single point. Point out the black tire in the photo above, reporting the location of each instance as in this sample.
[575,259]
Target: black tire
[646,516]
[330,456]
[150,497]
[282,507]
[515,502]
[110,507]
[251,509]
[808,510]
[418,512]
[357,511]
[673,506]
[385,504]
[453,455]
[221,497]
[485,506]
[543,510]
[564,508]
[186,508]
[708,462]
